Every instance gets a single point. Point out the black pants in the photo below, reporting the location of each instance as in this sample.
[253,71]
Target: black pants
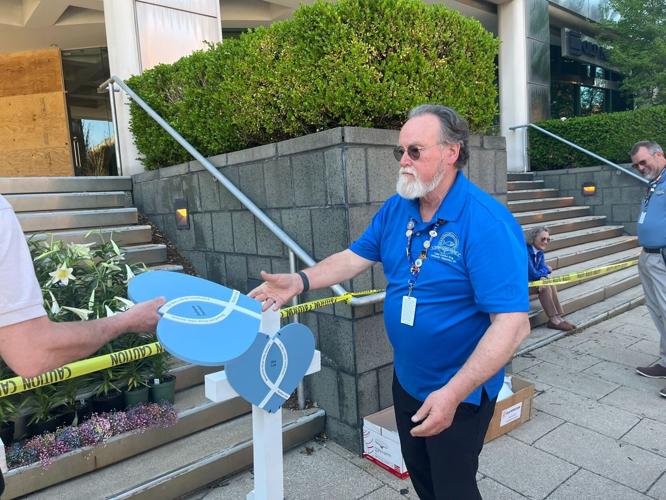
[443,467]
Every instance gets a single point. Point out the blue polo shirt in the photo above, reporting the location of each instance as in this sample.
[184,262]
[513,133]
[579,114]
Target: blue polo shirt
[474,267]
[652,221]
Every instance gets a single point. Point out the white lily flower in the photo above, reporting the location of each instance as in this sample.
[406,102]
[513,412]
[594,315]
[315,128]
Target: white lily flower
[126,303]
[109,312]
[81,313]
[55,307]
[81,250]
[62,275]
[91,300]
[130,274]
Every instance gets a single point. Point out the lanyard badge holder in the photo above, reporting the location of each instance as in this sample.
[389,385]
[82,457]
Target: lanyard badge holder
[408,311]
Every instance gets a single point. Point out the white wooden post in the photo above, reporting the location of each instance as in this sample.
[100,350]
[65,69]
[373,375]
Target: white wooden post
[266,427]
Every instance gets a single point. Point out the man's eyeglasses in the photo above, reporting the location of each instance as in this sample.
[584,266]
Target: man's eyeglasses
[413,151]
[545,239]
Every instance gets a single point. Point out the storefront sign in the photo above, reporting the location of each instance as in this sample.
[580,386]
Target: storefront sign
[580,47]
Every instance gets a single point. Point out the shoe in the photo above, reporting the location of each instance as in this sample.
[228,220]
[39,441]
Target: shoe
[662,393]
[654,371]
[562,325]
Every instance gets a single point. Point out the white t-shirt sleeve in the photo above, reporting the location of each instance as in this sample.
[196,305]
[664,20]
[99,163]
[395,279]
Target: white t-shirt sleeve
[20,294]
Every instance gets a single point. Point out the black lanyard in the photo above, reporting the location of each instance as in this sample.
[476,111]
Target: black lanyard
[416,264]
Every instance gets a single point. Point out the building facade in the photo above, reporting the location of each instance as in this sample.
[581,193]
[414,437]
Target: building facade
[549,64]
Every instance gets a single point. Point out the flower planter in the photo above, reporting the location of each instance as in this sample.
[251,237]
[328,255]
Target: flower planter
[164,391]
[7,433]
[110,402]
[133,398]
[83,410]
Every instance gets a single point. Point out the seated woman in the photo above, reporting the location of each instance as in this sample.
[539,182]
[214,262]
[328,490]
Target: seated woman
[537,240]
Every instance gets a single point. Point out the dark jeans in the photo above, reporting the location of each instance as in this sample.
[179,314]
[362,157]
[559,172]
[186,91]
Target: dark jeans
[443,467]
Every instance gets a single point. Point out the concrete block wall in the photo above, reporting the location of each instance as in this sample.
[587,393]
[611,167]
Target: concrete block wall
[618,195]
[323,190]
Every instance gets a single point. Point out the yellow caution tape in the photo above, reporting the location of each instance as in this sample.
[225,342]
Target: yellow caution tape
[315,304]
[581,275]
[17,385]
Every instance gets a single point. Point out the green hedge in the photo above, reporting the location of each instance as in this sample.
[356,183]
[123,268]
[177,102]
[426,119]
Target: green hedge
[354,62]
[610,135]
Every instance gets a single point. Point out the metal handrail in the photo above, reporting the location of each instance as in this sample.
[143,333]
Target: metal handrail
[583,150]
[245,201]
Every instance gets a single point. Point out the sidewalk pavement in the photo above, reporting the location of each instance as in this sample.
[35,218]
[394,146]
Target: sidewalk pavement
[598,432]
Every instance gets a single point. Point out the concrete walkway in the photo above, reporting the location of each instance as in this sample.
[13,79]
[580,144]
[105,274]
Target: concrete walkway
[598,432]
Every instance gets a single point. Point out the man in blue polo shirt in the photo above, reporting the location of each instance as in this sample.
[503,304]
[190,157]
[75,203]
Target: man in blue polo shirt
[456,300]
[648,158]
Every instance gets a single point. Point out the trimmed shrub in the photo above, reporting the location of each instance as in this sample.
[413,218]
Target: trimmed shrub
[610,135]
[350,63]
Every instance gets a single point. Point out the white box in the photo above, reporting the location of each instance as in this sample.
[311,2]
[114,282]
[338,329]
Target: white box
[381,443]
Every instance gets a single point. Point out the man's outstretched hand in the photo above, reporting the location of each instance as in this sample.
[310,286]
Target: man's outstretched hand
[277,289]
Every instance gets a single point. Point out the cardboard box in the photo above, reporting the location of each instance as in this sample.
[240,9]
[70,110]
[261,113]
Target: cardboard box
[381,443]
[512,411]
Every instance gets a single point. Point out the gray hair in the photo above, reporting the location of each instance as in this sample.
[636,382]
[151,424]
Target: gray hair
[454,128]
[532,234]
[651,146]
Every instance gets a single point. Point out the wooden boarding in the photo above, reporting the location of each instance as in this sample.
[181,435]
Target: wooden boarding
[34,127]
[31,72]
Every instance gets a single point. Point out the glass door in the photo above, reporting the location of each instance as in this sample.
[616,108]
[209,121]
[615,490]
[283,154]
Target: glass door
[93,141]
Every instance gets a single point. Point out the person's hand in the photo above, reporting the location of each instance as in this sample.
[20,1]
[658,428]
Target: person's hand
[277,289]
[143,317]
[436,414]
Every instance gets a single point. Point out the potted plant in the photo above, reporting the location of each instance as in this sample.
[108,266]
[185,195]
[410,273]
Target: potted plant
[163,386]
[135,380]
[7,414]
[108,396]
[46,409]
[76,393]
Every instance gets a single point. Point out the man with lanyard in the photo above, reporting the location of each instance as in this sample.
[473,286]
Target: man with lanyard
[456,300]
[30,343]
[648,158]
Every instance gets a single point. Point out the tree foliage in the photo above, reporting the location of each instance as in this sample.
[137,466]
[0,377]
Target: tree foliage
[350,63]
[637,35]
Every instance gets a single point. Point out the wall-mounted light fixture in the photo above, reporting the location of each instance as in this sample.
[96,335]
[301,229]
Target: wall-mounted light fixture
[589,189]
[182,216]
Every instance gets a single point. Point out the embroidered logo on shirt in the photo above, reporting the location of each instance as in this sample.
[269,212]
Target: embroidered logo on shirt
[446,248]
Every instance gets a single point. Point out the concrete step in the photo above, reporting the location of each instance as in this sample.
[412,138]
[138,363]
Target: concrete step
[581,236]
[122,235]
[567,225]
[187,464]
[588,293]
[151,253]
[531,194]
[585,317]
[564,257]
[68,201]
[70,219]
[524,184]
[541,216]
[519,176]
[19,185]
[540,204]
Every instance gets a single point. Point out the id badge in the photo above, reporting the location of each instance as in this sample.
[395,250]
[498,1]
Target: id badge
[408,310]
[641,218]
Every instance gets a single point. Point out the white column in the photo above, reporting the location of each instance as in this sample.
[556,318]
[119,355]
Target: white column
[513,78]
[142,34]
[124,61]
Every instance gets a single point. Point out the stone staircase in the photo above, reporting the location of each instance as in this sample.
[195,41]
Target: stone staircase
[579,241]
[210,440]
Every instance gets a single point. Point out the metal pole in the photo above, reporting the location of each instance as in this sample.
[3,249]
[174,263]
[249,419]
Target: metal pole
[300,390]
[114,120]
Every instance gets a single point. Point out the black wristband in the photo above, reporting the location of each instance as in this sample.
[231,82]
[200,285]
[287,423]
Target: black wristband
[306,281]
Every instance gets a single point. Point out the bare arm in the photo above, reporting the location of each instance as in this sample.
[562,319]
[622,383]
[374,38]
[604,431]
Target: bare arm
[38,345]
[494,350]
[278,289]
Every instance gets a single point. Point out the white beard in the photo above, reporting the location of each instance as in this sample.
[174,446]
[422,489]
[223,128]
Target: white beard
[415,188]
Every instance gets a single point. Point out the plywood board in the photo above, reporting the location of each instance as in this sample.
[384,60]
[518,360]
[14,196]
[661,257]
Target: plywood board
[31,72]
